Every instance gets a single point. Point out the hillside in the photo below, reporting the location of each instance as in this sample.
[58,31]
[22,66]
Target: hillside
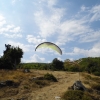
[43,91]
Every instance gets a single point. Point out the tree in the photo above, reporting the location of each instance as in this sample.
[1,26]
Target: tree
[11,57]
[57,64]
[71,66]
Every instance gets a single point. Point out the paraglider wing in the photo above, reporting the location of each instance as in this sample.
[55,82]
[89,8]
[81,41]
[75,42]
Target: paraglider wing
[49,45]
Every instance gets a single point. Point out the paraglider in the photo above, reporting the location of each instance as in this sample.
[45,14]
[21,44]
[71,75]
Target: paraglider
[49,45]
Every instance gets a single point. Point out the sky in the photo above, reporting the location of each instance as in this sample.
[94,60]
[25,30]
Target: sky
[73,25]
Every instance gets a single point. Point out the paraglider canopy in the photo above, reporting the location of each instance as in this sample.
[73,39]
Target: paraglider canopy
[49,45]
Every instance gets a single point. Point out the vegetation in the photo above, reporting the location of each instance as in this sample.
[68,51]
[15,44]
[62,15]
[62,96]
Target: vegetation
[50,77]
[11,57]
[76,95]
[40,66]
[57,64]
[90,65]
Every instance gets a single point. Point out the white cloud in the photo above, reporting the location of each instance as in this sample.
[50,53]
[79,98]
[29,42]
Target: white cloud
[60,59]
[2,21]
[84,8]
[51,3]
[10,28]
[13,35]
[96,13]
[69,30]
[34,58]
[94,36]
[10,31]
[93,52]
[49,23]
[35,39]
[25,48]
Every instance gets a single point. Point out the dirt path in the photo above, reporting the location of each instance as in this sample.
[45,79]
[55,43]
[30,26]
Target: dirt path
[50,92]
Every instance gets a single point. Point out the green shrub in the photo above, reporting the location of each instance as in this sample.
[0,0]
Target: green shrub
[50,77]
[76,95]
[95,86]
[86,97]
[97,73]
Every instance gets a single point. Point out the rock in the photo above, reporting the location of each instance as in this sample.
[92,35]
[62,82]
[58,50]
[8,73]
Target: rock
[26,70]
[57,98]
[78,86]
[9,83]
[2,83]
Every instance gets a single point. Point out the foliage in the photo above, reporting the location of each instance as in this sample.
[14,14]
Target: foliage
[97,73]
[40,66]
[11,57]
[71,66]
[90,65]
[50,77]
[95,86]
[57,64]
[76,95]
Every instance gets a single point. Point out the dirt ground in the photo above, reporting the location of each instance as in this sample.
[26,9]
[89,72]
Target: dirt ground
[49,92]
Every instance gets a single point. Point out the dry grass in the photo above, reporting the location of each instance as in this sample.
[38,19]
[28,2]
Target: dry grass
[42,89]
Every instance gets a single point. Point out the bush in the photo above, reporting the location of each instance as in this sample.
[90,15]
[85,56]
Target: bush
[95,86]
[50,77]
[76,95]
[97,73]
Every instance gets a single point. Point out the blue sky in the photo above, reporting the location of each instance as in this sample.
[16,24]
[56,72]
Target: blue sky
[74,25]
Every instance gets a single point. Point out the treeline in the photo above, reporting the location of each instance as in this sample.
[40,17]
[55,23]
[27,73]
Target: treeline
[90,65]
[55,65]
[11,57]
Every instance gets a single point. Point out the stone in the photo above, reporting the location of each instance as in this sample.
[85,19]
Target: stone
[2,83]
[78,86]
[26,70]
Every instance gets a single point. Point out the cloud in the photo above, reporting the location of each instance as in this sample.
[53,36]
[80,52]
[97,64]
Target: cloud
[94,36]
[35,39]
[13,35]
[84,8]
[93,52]
[34,58]
[60,59]
[25,48]
[2,21]
[10,31]
[48,26]
[48,23]
[95,11]
[52,24]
